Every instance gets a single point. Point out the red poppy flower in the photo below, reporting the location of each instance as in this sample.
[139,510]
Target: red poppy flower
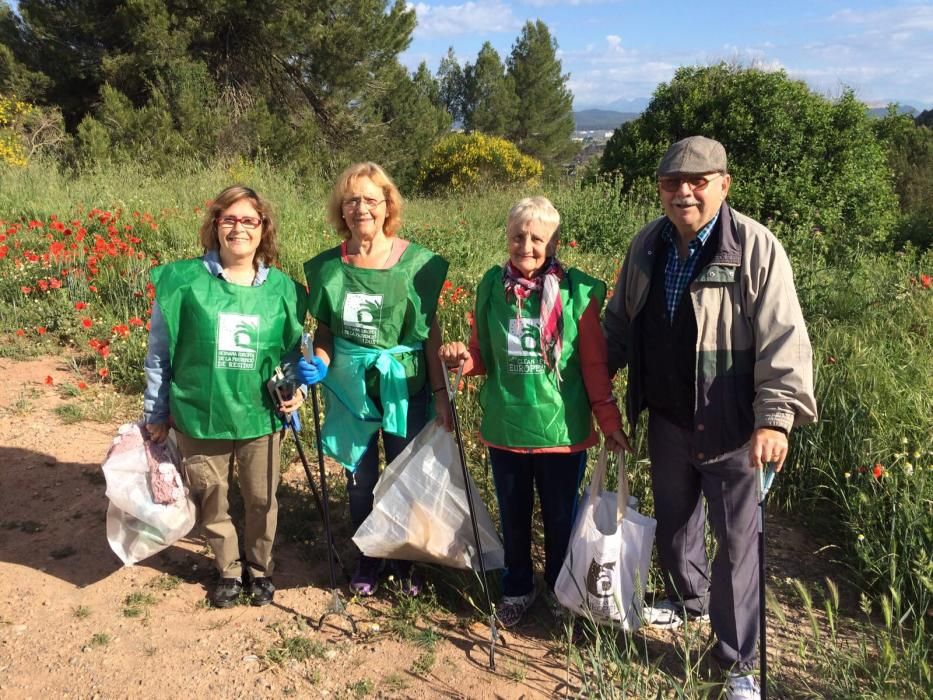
[877,471]
[926,281]
[91,286]
[41,330]
[49,380]
[573,244]
[80,305]
[25,290]
[20,332]
[55,283]
[121,329]
[135,321]
[103,372]
[448,285]
[82,386]
[104,350]
[86,322]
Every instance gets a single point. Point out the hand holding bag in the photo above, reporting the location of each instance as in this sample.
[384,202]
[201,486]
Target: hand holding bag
[149,507]
[606,566]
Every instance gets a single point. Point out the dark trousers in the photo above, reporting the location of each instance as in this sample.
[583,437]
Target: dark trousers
[557,477]
[362,481]
[680,483]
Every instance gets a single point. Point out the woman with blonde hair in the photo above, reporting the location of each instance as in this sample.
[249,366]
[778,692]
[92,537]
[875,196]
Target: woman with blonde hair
[374,297]
[221,323]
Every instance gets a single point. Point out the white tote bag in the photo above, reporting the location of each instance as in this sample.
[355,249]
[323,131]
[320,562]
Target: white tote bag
[420,510]
[606,566]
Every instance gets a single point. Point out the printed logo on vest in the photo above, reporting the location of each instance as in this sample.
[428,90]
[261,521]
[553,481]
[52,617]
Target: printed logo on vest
[524,346]
[362,314]
[237,341]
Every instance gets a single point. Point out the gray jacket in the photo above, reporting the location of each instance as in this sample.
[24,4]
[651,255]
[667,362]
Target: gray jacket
[754,363]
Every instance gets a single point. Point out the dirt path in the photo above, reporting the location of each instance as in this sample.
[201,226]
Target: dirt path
[75,623]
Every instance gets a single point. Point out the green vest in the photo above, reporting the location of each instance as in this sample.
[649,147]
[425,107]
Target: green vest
[224,343]
[522,405]
[379,308]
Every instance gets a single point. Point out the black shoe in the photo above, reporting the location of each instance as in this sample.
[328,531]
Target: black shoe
[227,592]
[261,590]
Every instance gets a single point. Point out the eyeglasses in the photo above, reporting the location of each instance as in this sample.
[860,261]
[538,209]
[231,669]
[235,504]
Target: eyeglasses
[696,183]
[355,202]
[247,222]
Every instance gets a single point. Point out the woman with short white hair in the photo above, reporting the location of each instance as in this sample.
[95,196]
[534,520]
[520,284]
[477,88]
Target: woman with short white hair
[537,338]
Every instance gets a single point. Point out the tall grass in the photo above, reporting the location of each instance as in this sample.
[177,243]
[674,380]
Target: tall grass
[863,473]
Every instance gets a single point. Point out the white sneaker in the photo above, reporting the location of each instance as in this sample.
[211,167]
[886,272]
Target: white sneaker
[667,615]
[742,687]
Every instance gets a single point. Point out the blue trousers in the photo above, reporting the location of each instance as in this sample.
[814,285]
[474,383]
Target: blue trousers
[557,478]
[360,483]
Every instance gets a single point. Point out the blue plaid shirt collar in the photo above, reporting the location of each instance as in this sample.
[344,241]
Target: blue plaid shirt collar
[677,272]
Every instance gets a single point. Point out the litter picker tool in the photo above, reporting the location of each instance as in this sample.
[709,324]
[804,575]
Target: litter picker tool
[452,395]
[336,606]
[282,389]
[765,479]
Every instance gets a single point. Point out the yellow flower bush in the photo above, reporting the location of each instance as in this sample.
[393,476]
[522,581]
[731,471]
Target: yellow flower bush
[12,114]
[461,162]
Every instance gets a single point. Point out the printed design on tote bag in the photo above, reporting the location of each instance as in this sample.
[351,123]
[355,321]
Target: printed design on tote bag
[362,314]
[237,341]
[599,593]
[524,346]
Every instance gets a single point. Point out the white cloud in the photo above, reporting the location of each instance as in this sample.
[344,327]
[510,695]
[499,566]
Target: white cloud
[468,18]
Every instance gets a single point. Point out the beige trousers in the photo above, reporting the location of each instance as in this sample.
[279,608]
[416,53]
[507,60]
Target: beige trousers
[209,470]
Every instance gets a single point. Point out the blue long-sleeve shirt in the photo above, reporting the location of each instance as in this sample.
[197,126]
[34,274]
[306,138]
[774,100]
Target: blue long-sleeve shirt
[158,364]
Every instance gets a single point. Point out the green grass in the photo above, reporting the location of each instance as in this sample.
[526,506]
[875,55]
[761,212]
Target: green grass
[295,648]
[137,604]
[70,413]
[870,320]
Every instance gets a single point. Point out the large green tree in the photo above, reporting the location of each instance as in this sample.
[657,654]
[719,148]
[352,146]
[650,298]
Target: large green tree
[543,125]
[282,71]
[489,100]
[796,157]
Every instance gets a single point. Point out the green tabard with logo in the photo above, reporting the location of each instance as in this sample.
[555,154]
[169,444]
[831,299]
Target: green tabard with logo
[522,405]
[379,308]
[225,341]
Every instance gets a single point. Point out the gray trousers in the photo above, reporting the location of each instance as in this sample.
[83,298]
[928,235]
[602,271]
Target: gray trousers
[680,482]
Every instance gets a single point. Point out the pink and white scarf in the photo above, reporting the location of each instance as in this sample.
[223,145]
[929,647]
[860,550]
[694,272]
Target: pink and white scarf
[547,283]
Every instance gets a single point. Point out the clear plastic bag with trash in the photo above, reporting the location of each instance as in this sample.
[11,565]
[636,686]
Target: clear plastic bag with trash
[420,510]
[150,508]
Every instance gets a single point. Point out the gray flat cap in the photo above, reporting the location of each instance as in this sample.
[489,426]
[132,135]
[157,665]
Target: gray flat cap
[693,155]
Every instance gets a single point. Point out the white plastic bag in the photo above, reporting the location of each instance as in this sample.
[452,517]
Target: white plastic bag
[137,526]
[420,510]
[606,566]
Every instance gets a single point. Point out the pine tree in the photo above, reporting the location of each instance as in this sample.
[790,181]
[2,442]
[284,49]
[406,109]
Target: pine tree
[452,87]
[544,124]
[490,103]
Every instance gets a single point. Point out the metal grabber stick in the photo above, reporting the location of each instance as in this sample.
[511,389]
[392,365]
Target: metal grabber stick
[765,479]
[336,606]
[452,395]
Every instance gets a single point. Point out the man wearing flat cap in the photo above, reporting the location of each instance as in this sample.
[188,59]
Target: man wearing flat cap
[706,318]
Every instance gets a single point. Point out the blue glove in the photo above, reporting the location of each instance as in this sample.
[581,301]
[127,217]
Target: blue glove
[312,372]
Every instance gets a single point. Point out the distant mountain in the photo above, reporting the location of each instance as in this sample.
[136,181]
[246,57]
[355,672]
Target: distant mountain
[601,119]
[880,112]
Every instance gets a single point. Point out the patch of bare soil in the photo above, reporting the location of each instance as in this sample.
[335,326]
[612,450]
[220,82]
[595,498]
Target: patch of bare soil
[75,623]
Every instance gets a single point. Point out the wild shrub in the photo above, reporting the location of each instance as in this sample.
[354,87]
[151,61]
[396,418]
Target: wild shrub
[468,162]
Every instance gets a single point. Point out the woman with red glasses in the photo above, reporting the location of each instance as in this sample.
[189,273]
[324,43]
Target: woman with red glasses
[221,323]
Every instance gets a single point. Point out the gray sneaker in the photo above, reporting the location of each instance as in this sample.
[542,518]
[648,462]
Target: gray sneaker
[668,615]
[742,687]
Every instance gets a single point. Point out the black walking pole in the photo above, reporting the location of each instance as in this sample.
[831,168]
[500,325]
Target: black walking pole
[317,498]
[336,604]
[452,394]
[765,478]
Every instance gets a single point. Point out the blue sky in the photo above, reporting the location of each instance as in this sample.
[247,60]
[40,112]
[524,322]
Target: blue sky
[621,49]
